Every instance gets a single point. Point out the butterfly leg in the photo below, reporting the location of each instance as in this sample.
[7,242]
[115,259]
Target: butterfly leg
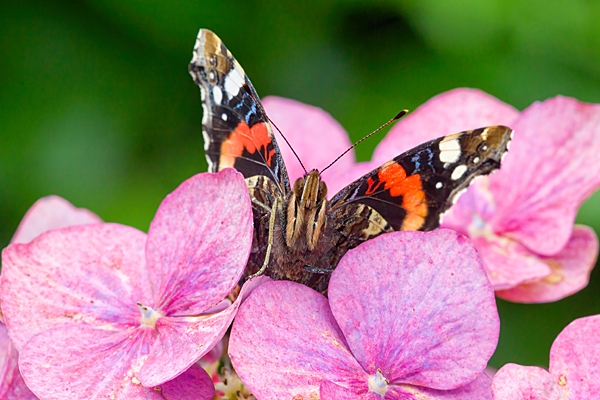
[261,204]
[270,239]
[316,270]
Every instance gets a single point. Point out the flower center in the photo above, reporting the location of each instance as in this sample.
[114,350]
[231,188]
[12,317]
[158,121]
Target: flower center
[149,316]
[378,383]
[480,228]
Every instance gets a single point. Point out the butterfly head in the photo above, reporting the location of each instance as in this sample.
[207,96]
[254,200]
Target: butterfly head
[310,190]
[306,211]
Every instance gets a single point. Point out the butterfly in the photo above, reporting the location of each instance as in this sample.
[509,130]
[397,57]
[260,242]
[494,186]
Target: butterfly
[299,233]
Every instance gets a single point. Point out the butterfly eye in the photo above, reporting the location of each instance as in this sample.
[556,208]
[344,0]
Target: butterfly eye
[322,191]
[299,187]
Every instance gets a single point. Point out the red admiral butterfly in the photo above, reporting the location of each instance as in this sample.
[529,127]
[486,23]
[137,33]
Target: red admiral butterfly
[299,234]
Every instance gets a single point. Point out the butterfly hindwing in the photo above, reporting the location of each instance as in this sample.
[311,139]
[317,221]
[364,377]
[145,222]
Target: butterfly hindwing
[412,191]
[236,130]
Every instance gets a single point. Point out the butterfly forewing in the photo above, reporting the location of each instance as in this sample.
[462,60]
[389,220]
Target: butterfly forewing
[413,190]
[236,131]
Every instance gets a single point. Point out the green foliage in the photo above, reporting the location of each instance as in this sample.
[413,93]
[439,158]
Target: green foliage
[97,105]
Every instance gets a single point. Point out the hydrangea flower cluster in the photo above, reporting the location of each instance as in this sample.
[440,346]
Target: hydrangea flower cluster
[420,321]
[574,367]
[100,310]
[105,311]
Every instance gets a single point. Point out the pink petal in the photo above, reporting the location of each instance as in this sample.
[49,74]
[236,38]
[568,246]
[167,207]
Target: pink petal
[476,202]
[284,342]
[51,212]
[516,382]
[332,391]
[575,359]
[12,385]
[316,136]
[83,362]
[418,306]
[215,354]
[571,270]
[478,389]
[552,167]
[92,274]
[182,341]
[199,242]
[192,384]
[453,111]
[509,264]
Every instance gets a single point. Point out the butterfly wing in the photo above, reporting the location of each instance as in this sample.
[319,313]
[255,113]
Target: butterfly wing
[412,191]
[236,130]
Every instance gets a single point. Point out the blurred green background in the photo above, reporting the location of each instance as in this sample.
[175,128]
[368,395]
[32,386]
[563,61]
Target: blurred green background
[97,106]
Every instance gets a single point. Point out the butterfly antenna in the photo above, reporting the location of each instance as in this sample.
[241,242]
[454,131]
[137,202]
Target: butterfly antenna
[396,118]
[273,123]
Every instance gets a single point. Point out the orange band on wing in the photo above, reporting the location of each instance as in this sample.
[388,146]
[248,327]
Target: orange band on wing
[249,139]
[410,188]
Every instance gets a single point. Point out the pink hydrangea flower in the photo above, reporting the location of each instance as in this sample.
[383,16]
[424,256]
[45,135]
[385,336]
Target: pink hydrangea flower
[409,314]
[520,218]
[105,310]
[51,212]
[12,385]
[47,213]
[574,368]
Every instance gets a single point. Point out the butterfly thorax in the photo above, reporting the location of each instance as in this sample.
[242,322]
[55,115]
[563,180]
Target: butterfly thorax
[301,234]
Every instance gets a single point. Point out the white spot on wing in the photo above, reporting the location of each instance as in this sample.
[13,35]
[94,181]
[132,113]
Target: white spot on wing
[217,95]
[509,140]
[439,185]
[442,215]
[451,144]
[458,172]
[211,165]
[206,139]
[202,93]
[204,114]
[198,44]
[457,195]
[211,75]
[224,117]
[450,156]
[233,82]
[449,150]
[475,160]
